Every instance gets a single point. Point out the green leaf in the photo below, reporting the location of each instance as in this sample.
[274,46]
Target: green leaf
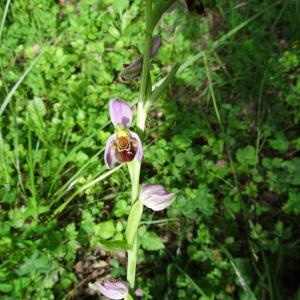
[105,230]
[181,142]
[114,246]
[6,287]
[180,159]
[247,156]
[36,110]
[187,203]
[280,143]
[150,240]
[134,221]
[121,208]
[120,5]
[206,201]
[293,204]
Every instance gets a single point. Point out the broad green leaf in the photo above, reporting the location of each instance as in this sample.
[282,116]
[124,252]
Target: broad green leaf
[120,5]
[121,208]
[247,156]
[6,287]
[114,246]
[36,111]
[206,201]
[105,230]
[293,203]
[280,142]
[150,240]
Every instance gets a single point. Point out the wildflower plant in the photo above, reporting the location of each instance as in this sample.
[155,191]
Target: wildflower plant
[125,146]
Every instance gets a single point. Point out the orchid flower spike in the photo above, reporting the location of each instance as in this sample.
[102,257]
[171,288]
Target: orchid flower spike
[124,145]
[156,197]
[111,288]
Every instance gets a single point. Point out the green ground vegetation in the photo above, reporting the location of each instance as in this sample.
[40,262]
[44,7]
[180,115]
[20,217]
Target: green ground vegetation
[224,137]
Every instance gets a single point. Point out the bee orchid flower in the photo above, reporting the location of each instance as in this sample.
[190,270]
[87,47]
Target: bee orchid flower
[156,197]
[111,288]
[124,145]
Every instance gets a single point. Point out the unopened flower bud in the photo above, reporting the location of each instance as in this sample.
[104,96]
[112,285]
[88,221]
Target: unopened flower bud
[112,288]
[134,69]
[156,197]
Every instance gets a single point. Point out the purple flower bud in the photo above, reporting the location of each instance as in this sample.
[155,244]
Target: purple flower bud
[112,288]
[155,45]
[139,292]
[221,163]
[124,145]
[134,69]
[156,197]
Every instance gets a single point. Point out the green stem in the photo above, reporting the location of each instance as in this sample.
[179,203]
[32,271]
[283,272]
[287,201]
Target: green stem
[131,266]
[135,166]
[147,50]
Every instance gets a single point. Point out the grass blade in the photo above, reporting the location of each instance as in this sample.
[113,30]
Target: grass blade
[17,84]
[216,44]
[238,273]
[189,278]
[4,17]
[61,208]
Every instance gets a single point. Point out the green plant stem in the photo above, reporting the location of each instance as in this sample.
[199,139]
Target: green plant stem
[146,56]
[135,166]
[134,170]
[131,266]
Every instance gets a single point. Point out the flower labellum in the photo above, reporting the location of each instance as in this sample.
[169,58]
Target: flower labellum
[112,288]
[124,145]
[156,197]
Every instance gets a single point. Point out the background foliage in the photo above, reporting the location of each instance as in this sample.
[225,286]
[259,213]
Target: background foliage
[225,138]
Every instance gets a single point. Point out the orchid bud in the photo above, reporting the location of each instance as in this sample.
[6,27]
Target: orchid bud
[111,288]
[134,69]
[156,197]
[155,45]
